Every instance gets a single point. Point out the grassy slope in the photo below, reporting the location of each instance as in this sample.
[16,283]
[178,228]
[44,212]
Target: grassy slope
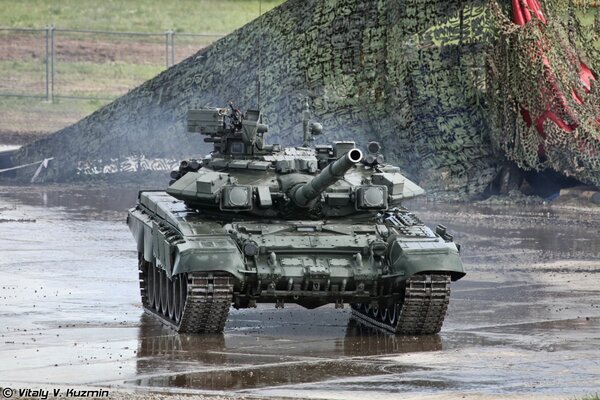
[220,16]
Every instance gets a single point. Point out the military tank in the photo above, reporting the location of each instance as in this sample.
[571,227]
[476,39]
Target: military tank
[316,224]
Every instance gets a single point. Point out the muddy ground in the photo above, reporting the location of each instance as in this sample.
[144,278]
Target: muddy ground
[523,323]
[95,48]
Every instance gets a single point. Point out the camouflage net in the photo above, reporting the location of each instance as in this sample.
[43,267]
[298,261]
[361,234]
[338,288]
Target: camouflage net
[437,94]
[542,113]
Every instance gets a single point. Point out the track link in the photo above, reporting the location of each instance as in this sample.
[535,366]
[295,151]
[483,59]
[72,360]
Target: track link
[209,297]
[205,302]
[421,311]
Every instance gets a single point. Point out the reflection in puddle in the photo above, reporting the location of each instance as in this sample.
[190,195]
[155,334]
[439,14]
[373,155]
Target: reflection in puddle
[363,340]
[263,376]
[228,362]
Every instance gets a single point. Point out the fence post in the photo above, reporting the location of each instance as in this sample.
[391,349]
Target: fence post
[47,63]
[167,49]
[52,62]
[172,47]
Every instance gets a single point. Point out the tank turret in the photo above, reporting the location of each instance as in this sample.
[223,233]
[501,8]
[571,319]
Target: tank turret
[244,174]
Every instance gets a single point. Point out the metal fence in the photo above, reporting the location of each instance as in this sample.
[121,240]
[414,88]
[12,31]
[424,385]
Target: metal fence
[55,63]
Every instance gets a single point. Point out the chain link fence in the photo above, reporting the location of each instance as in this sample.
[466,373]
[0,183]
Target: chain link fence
[52,63]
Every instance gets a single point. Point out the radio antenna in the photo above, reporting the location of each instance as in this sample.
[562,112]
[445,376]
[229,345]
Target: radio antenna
[259,57]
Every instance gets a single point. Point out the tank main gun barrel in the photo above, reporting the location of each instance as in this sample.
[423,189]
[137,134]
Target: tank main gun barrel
[328,176]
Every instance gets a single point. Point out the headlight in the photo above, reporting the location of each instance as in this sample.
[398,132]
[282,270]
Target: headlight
[372,197]
[250,248]
[236,198]
[378,247]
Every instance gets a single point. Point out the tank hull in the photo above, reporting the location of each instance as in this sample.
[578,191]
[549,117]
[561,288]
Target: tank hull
[198,265]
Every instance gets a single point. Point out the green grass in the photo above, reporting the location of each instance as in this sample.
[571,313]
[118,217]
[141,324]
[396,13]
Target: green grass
[587,18]
[590,397]
[31,118]
[220,16]
[73,107]
[107,80]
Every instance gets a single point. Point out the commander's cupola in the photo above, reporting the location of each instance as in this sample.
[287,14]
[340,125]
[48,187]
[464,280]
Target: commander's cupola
[232,133]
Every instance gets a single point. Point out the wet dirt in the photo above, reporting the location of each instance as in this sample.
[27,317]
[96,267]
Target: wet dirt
[97,48]
[523,323]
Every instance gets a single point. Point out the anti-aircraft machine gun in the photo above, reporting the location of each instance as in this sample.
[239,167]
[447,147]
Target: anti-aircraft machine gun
[257,223]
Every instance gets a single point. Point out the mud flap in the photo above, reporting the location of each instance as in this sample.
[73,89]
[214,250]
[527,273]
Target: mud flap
[139,225]
[136,226]
[162,248]
[409,258]
[209,254]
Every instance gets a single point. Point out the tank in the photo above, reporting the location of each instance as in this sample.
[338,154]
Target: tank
[315,224]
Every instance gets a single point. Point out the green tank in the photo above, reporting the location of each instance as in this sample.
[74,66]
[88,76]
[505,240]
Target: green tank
[312,225]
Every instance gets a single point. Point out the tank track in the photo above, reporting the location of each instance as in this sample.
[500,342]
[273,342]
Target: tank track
[204,302]
[421,311]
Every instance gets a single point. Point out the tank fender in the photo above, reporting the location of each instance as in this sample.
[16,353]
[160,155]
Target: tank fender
[136,226]
[141,228]
[148,244]
[209,254]
[407,258]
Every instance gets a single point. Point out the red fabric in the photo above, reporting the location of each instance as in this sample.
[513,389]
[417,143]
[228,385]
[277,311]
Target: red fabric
[539,124]
[557,103]
[537,10]
[525,11]
[517,13]
[587,76]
